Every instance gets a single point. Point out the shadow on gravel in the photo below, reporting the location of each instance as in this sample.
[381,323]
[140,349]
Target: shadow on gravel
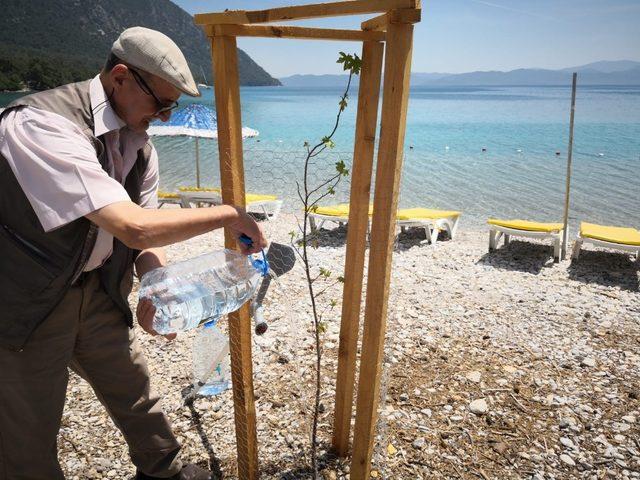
[409,238]
[607,269]
[327,461]
[335,237]
[214,462]
[520,256]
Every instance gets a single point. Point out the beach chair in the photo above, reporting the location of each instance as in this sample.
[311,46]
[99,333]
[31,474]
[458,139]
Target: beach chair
[267,205]
[167,197]
[526,229]
[433,221]
[617,238]
[334,213]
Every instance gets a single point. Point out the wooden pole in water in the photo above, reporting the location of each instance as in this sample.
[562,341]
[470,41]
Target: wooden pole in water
[565,231]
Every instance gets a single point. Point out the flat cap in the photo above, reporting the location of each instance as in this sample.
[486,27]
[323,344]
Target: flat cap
[157,54]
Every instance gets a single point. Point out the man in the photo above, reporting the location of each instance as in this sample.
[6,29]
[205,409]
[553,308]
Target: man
[78,185]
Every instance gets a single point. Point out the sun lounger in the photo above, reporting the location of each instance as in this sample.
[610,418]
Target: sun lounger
[431,220]
[527,229]
[617,238]
[334,213]
[168,197]
[267,205]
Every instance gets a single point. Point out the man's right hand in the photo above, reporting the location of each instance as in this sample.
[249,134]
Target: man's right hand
[246,224]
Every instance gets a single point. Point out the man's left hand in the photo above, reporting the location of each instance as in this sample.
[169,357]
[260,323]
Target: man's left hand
[145,313]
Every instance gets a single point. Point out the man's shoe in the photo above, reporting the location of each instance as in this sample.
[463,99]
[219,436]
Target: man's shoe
[188,472]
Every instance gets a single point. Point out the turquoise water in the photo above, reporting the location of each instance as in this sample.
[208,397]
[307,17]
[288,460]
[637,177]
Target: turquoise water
[519,174]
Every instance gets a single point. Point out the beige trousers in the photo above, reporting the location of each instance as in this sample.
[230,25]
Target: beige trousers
[87,333]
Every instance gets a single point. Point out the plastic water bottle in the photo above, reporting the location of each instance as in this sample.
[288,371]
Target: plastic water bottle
[211,366]
[200,289]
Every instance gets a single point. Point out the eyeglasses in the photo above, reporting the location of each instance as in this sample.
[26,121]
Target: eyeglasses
[163,107]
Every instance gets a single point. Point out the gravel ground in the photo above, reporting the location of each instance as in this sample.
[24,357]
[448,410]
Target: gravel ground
[497,366]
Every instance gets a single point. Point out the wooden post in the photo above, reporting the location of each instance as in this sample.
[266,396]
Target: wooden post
[227,92]
[390,150]
[366,122]
[565,231]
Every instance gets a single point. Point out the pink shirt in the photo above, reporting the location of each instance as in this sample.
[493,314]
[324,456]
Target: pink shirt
[57,167]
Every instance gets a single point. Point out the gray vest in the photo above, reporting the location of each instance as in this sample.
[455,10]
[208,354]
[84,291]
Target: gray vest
[37,268]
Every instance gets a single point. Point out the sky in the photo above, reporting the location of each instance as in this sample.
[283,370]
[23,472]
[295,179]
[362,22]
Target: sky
[458,36]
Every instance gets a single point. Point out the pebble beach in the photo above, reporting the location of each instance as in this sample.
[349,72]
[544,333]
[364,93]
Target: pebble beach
[497,366]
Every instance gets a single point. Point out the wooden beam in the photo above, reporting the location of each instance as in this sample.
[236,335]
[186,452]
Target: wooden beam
[299,12]
[390,150]
[366,122]
[292,32]
[227,92]
[405,15]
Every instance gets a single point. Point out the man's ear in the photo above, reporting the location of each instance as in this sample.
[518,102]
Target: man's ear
[118,74]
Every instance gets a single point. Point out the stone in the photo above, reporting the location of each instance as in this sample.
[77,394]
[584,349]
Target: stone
[588,362]
[567,460]
[567,442]
[419,443]
[479,407]
[474,376]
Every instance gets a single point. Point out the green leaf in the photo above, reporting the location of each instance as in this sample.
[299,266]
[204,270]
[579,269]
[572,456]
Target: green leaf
[324,272]
[341,168]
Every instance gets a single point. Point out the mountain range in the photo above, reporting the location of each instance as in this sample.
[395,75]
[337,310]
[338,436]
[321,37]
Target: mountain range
[619,72]
[44,43]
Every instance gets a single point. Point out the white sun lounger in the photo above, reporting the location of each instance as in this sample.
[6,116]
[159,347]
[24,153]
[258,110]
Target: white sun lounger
[431,220]
[526,229]
[267,205]
[617,238]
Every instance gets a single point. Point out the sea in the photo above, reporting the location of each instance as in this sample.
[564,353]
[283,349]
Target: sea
[485,151]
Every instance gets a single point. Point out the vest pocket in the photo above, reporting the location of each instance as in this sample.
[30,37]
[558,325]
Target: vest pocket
[23,262]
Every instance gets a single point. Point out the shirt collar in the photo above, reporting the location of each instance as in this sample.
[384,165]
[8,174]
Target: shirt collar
[104,116]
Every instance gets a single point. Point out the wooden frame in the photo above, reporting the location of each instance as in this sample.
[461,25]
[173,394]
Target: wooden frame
[390,34]
[302,12]
[279,31]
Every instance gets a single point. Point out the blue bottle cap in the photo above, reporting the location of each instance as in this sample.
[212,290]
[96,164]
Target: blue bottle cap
[262,265]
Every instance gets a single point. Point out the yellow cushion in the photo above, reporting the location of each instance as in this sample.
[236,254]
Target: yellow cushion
[162,194]
[425,213]
[340,210]
[257,197]
[625,236]
[249,197]
[199,189]
[527,225]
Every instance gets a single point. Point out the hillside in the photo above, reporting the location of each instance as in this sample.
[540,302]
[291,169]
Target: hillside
[622,72]
[44,43]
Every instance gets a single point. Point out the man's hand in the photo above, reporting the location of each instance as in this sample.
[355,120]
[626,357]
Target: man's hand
[245,224]
[145,313]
